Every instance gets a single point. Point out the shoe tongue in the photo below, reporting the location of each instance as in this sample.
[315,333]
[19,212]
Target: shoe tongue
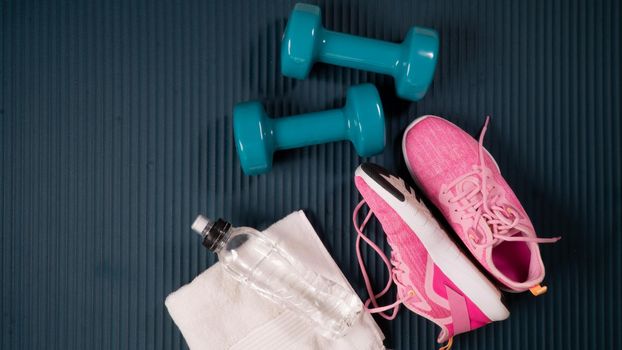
[512,233]
[486,230]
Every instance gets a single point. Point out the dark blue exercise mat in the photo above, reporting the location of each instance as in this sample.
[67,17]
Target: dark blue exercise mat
[116,131]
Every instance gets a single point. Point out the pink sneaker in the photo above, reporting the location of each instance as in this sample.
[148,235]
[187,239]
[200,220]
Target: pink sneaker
[463,180]
[434,278]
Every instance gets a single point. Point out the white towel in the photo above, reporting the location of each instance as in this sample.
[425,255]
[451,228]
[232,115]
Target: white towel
[216,312]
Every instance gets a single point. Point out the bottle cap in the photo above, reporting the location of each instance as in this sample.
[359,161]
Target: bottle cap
[213,233]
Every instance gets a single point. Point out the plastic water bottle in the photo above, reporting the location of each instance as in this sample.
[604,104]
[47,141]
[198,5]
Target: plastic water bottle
[257,261]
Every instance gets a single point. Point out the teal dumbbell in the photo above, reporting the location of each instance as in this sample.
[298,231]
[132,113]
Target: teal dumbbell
[411,63]
[257,136]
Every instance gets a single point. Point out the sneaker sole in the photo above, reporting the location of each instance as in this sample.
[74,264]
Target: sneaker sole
[445,254]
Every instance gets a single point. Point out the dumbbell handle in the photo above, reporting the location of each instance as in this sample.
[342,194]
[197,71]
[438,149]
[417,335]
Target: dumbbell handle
[309,129]
[358,52]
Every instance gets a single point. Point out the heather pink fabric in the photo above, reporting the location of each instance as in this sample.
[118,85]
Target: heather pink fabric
[414,270]
[439,153]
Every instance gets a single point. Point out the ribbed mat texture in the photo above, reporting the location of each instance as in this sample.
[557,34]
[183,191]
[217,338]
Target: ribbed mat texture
[115,132]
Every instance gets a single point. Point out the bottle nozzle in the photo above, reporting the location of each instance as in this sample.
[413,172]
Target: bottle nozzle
[213,233]
[201,225]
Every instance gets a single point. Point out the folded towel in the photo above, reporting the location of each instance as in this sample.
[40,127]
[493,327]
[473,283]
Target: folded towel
[216,312]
